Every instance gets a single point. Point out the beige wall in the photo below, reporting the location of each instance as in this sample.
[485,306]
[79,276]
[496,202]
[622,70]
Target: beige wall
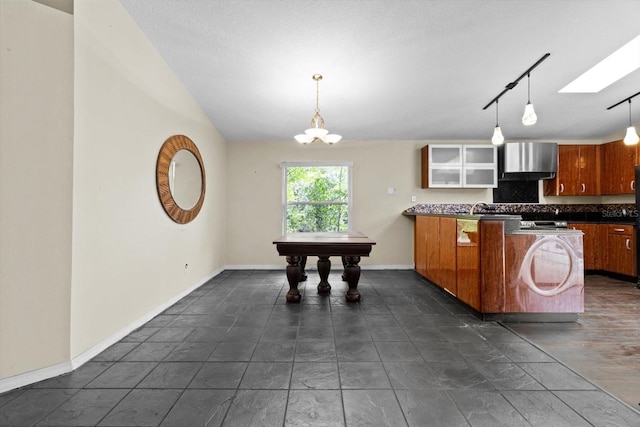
[86,250]
[36,154]
[254,196]
[129,257]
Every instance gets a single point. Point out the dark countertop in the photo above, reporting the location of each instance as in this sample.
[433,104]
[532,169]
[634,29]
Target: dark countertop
[585,213]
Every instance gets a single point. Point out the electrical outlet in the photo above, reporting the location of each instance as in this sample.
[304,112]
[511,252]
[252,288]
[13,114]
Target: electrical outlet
[413,198]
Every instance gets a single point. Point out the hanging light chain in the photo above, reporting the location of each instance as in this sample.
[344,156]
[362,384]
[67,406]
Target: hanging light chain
[317,78]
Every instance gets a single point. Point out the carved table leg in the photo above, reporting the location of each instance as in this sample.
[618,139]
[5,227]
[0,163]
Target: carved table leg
[324,268]
[344,265]
[293,276]
[352,275]
[303,272]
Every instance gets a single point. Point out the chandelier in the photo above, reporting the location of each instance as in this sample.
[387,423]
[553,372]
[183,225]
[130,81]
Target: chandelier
[317,132]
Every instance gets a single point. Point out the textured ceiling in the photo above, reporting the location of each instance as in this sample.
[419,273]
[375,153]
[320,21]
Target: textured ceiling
[395,70]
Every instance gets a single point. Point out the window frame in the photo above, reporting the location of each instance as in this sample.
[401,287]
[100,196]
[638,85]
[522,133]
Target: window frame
[285,202]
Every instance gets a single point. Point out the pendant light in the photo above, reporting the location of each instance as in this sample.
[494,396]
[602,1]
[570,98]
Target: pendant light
[631,138]
[497,138]
[529,117]
[317,132]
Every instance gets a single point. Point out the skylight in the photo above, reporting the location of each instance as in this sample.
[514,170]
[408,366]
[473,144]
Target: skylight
[611,69]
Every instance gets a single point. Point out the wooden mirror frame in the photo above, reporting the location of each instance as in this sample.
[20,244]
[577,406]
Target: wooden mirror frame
[170,147]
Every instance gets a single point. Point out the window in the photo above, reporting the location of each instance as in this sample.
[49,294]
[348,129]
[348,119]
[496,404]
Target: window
[317,197]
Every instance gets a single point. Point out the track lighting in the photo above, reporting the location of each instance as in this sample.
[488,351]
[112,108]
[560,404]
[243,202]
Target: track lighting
[529,117]
[631,137]
[497,138]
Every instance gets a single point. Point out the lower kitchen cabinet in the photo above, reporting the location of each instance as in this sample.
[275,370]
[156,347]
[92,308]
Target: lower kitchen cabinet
[448,258]
[621,250]
[432,249]
[609,247]
[592,243]
[468,263]
[420,245]
[480,264]
[435,250]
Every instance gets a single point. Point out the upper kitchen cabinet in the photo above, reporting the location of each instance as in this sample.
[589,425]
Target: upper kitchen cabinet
[578,172]
[618,161]
[459,166]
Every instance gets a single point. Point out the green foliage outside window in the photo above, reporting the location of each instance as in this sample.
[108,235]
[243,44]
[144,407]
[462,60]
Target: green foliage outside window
[317,198]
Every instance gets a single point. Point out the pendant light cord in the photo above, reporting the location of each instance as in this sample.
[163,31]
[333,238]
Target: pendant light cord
[629,112]
[496,113]
[528,88]
[317,96]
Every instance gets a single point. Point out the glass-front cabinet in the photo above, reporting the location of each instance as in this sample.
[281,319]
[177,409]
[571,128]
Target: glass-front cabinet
[445,166]
[459,166]
[480,166]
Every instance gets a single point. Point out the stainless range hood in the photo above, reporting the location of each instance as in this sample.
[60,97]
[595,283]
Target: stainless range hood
[527,161]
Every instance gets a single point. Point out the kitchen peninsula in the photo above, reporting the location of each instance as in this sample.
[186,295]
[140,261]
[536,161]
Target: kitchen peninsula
[500,270]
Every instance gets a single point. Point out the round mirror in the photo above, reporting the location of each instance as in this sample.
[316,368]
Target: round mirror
[180,178]
[185,182]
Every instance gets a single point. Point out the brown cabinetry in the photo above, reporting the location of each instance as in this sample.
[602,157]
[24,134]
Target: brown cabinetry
[435,250]
[420,245]
[468,263]
[620,251]
[578,172]
[480,265]
[432,250]
[448,258]
[617,168]
[593,239]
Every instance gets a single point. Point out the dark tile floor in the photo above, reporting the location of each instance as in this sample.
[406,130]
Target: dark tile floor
[604,344]
[233,353]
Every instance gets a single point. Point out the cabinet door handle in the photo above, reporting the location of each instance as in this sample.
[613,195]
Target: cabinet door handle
[620,230]
[628,244]
[633,184]
[561,188]
[583,187]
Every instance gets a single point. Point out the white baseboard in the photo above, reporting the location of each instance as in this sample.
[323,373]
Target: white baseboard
[255,267]
[388,267]
[312,266]
[38,375]
[21,380]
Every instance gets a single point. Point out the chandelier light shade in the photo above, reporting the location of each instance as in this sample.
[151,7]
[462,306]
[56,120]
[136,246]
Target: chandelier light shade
[317,132]
[497,138]
[631,138]
[529,117]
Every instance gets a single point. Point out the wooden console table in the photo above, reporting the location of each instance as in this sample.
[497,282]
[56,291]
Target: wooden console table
[349,246]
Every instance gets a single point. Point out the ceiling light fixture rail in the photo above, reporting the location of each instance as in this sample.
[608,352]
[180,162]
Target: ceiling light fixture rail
[514,83]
